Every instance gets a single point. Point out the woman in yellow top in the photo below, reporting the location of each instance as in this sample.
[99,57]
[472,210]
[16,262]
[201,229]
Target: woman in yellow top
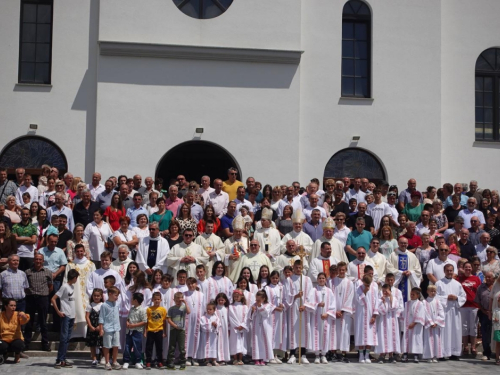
[11,337]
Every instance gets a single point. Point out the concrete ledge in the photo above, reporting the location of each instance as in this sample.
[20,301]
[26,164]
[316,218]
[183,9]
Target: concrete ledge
[174,51]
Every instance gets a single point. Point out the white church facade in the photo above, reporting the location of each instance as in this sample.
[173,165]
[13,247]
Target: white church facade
[282,89]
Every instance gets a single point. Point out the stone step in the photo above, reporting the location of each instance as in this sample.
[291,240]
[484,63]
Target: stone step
[54,345]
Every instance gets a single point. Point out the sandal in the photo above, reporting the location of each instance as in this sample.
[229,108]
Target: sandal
[241,363]
[215,363]
[222,363]
[209,364]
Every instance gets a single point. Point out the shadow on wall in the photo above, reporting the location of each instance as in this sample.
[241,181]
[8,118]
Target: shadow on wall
[196,73]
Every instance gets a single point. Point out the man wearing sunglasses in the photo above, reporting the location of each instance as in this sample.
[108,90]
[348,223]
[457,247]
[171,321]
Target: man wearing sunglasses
[435,267]
[186,255]
[152,251]
[231,185]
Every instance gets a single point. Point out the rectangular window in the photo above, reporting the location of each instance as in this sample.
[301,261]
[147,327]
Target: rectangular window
[487,104]
[356,58]
[35,41]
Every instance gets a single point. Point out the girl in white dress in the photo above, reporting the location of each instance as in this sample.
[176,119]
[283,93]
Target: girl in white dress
[209,335]
[238,314]
[275,293]
[263,278]
[261,323]
[414,321]
[434,322]
[222,313]
[156,280]
[388,326]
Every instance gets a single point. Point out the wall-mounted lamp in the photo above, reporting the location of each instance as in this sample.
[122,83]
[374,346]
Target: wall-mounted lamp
[199,130]
[33,126]
[356,138]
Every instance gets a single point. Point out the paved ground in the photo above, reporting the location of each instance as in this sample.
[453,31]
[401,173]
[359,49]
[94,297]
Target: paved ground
[466,367]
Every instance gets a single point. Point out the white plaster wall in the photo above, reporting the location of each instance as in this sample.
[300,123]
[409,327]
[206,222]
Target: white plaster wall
[61,110]
[246,24]
[401,126]
[468,28]
[150,105]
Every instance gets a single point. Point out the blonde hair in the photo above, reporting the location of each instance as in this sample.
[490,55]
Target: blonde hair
[431,287]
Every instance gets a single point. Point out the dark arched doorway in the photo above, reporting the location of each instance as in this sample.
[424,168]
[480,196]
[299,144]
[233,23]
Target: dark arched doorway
[355,162]
[194,159]
[30,153]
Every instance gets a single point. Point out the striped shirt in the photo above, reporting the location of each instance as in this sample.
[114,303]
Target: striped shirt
[13,283]
[39,281]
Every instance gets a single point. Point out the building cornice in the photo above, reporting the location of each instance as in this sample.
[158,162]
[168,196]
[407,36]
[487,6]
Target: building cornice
[176,51]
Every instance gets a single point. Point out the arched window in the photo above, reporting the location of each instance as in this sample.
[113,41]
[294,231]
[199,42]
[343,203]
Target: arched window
[354,162]
[487,95]
[31,153]
[356,49]
[203,9]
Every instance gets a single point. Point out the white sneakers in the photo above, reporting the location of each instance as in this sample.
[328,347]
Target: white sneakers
[103,361]
[304,360]
[292,360]
[139,366]
[323,360]
[367,359]
[125,366]
[316,361]
[274,361]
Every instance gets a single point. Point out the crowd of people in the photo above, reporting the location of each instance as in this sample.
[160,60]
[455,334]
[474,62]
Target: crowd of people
[232,273]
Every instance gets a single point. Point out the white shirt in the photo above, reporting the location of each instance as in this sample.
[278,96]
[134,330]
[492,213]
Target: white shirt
[436,267]
[295,203]
[219,202]
[307,212]
[421,229]
[95,191]
[377,211]
[359,195]
[53,210]
[32,191]
[341,234]
[394,212]
[205,193]
[466,215]
[240,204]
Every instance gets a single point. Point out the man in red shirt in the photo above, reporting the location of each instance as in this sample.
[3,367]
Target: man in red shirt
[414,241]
[468,311]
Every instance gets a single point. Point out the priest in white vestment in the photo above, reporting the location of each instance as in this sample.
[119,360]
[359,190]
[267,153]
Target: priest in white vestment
[236,247]
[152,251]
[300,238]
[253,260]
[322,263]
[288,259]
[120,264]
[212,244]
[406,268]
[355,269]
[452,296]
[379,261]
[269,238]
[186,256]
[338,251]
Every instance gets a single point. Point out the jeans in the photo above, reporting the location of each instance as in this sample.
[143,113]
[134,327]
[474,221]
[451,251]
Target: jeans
[40,305]
[154,339]
[133,339]
[21,305]
[177,337]
[486,333]
[66,329]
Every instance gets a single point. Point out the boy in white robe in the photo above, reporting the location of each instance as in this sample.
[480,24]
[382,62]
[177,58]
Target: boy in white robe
[167,300]
[414,321]
[201,280]
[398,296]
[434,323]
[181,282]
[452,296]
[343,289]
[300,303]
[366,301]
[275,293]
[197,304]
[388,326]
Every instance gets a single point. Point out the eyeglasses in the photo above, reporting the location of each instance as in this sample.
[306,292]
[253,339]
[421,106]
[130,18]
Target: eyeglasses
[443,250]
[233,173]
[490,251]
[188,235]
[253,245]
